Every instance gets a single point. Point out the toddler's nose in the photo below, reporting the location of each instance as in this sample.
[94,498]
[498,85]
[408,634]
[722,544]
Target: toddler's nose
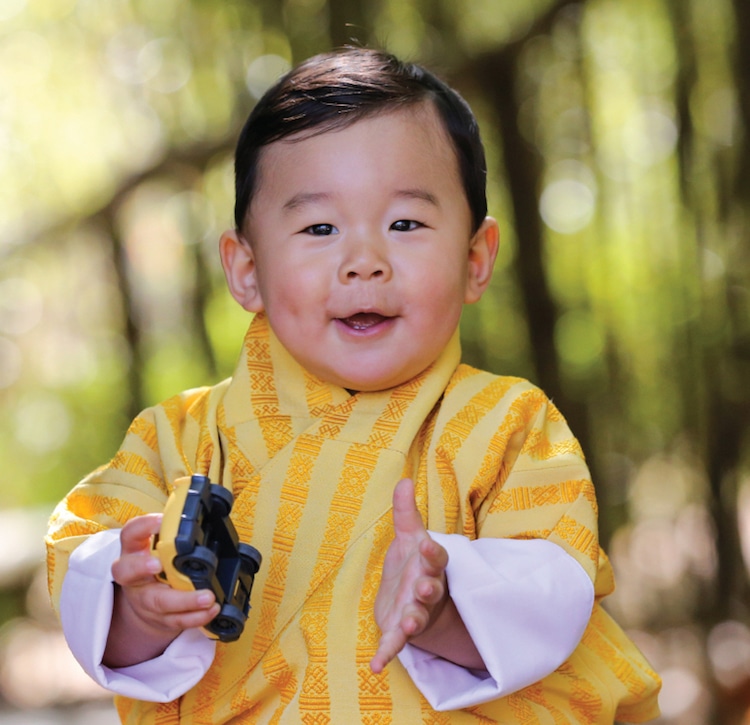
[366,261]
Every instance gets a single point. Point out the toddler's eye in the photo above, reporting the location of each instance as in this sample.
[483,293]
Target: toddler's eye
[405,225]
[320,230]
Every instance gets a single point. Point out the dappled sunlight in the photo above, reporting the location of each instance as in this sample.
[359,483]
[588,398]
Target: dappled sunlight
[42,423]
[37,670]
[665,561]
[729,654]
[684,698]
[567,205]
[665,557]
[623,190]
[263,71]
[26,647]
[743,516]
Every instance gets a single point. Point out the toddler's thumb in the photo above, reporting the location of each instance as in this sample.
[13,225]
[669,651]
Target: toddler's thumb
[406,518]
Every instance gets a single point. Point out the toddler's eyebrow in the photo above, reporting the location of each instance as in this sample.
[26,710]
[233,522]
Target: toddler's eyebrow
[420,194]
[304,198]
[312,197]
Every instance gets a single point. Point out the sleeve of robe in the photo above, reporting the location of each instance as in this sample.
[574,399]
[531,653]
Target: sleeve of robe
[525,599]
[87,597]
[86,603]
[529,486]
[83,541]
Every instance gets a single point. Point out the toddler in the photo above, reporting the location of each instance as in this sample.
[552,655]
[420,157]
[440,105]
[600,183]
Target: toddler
[428,530]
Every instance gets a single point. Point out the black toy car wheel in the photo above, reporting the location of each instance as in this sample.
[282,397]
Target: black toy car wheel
[221,500]
[250,557]
[200,564]
[228,624]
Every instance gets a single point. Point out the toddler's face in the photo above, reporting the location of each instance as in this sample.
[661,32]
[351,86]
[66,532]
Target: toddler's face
[360,248]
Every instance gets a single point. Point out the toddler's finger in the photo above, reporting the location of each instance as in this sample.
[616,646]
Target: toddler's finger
[164,599]
[192,619]
[391,643]
[429,590]
[181,610]
[136,535]
[406,518]
[434,557]
[413,621]
[135,569]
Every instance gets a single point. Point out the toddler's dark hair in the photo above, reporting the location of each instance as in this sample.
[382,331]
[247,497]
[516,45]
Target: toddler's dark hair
[335,89]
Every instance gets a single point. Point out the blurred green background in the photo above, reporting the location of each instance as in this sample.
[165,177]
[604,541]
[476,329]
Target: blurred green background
[618,134]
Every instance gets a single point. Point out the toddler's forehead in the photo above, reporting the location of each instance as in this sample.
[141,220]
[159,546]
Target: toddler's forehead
[387,153]
[421,120]
[415,118]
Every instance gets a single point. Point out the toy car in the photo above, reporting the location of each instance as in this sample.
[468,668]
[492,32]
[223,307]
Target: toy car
[199,549]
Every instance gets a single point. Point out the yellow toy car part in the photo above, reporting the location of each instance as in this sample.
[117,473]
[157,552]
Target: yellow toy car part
[199,549]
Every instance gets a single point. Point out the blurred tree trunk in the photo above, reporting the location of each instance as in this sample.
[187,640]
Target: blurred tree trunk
[523,165]
[522,169]
[742,79]
[495,72]
[728,365]
[719,402]
[132,332]
[698,391]
[198,304]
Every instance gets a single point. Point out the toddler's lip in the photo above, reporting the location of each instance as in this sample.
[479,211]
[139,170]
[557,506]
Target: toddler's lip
[364,321]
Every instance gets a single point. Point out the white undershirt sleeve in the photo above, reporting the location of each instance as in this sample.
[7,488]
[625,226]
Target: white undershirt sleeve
[525,603]
[86,605]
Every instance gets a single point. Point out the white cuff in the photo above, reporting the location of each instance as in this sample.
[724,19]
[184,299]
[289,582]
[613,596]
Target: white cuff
[86,605]
[525,603]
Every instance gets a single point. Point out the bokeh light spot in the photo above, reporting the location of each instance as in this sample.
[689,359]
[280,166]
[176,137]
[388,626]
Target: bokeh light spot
[567,205]
[21,306]
[264,71]
[579,339]
[10,362]
[680,690]
[43,423]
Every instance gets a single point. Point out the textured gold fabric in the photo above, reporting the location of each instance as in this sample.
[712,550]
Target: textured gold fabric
[312,469]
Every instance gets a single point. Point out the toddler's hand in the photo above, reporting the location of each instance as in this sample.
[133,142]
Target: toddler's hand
[413,588]
[148,614]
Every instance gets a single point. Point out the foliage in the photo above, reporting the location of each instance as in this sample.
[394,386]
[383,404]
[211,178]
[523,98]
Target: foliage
[618,134]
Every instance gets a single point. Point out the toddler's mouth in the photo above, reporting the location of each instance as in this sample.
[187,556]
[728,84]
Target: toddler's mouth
[363,321]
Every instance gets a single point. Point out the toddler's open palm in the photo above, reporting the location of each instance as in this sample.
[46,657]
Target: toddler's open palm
[413,587]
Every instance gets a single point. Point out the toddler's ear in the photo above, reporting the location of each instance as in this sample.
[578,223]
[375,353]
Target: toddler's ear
[482,253]
[238,261]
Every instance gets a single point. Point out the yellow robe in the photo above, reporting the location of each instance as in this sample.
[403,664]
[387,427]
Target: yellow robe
[312,469]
